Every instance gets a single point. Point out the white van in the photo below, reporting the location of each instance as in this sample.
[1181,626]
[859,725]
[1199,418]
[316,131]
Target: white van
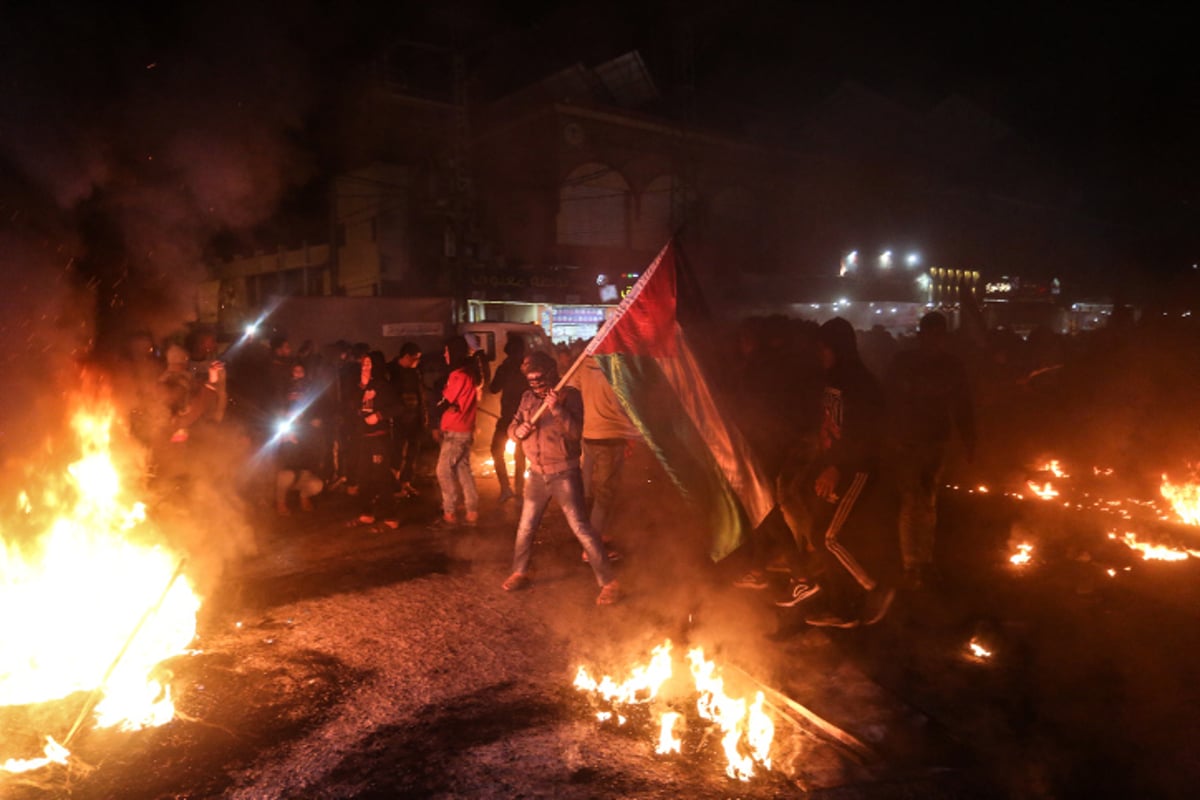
[491,337]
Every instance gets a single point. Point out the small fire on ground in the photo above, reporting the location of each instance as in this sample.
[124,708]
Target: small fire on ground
[977,650]
[1023,555]
[746,729]
[1153,552]
[90,598]
[1184,499]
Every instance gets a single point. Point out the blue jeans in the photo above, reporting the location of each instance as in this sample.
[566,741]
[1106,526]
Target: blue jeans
[454,470]
[567,489]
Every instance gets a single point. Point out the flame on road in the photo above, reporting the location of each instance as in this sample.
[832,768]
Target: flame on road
[747,731]
[668,742]
[1023,555]
[1153,552]
[70,601]
[977,650]
[1184,499]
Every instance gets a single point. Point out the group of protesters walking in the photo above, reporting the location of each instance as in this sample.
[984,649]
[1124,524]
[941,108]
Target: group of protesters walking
[358,423]
[831,536]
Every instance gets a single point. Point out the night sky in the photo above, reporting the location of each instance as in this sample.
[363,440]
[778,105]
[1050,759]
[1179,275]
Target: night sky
[160,125]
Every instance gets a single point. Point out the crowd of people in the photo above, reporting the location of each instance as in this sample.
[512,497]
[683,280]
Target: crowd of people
[822,423]
[351,421]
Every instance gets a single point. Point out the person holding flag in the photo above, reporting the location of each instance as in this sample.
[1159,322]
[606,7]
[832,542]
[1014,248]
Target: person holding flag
[549,425]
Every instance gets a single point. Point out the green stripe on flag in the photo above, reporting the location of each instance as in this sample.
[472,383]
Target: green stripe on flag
[656,410]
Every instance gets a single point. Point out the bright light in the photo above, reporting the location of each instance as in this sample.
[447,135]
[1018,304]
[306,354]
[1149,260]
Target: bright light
[913,259]
[885,259]
[849,262]
[252,329]
[843,302]
[923,280]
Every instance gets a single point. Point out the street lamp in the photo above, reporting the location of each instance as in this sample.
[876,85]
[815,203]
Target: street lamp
[913,259]
[849,262]
[885,259]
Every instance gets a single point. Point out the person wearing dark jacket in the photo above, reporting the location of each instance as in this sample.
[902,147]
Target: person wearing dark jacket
[552,447]
[369,418]
[509,382]
[412,420]
[930,399]
[842,593]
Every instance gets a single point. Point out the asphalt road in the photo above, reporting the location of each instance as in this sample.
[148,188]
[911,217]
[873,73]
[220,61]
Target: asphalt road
[339,662]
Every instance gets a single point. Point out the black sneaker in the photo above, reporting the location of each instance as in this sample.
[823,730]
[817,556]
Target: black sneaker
[798,592]
[876,605]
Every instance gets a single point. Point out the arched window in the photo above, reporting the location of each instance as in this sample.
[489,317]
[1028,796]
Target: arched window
[652,225]
[593,207]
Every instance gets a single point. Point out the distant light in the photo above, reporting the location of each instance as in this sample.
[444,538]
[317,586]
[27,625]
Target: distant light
[913,259]
[843,302]
[885,259]
[849,262]
[923,280]
[893,311]
[879,311]
[252,329]
[601,279]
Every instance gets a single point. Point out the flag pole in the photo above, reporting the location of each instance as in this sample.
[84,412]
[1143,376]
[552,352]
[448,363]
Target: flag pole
[608,325]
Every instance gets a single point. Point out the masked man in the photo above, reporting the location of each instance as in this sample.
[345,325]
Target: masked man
[552,450]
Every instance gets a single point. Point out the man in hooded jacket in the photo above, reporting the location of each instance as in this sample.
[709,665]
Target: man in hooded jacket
[842,592]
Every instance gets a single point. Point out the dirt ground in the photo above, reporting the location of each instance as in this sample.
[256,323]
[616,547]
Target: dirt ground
[340,663]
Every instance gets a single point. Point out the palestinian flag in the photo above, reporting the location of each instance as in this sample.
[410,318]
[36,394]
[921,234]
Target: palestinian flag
[645,356]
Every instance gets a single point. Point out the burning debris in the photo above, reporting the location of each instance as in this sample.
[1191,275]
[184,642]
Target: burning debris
[977,650]
[746,729]
[1184,499]
[1153,552]
[1023,555]
[101,595]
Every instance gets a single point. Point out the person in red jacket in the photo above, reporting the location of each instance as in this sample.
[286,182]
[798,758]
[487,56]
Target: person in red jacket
[456,432]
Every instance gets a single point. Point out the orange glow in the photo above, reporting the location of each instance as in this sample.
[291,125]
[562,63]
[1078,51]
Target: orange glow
[1023,555]
[83,586]
[668,742]
[1046,490]
[747,730]
[1184,499]
[977,650]
[1153,552]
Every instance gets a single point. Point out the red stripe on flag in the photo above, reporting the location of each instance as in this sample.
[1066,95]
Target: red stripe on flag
[645,325]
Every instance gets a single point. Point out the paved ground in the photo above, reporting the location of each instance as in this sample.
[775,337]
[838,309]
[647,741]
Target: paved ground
[342,663]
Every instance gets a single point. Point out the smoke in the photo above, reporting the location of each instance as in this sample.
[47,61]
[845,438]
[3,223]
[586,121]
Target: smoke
[150,135]
[128,140]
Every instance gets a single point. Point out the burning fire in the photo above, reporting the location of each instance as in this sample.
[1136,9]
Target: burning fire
[1154,552]
[747,730]
[1046,490]
[1054,468]
[1184,499]
[1023,555]
[510,460]
[94,603]
[668,742]
[978,650]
